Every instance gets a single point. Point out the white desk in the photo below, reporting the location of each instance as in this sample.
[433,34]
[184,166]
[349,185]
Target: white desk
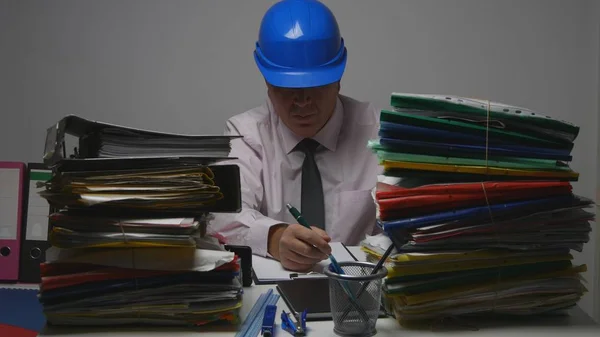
[577,324]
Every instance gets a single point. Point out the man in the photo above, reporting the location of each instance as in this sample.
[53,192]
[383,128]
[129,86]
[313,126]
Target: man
[307,145]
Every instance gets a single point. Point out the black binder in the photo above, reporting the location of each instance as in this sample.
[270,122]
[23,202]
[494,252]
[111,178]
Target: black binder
[35,225]
[85,158]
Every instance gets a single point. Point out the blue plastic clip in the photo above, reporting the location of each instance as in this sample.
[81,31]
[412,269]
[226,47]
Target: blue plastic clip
[269,321]
[297,328]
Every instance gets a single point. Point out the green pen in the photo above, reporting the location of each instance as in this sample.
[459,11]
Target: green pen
[298,216]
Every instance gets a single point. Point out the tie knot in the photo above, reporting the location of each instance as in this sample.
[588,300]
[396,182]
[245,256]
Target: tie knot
[308,145]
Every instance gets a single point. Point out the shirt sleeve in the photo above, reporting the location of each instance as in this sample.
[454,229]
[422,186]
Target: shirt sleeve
[249,227]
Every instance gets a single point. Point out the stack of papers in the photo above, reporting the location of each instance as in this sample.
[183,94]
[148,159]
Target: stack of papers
[98,139]
[81,231]
[479,204]
[164,188]
[173,286]
[118,142]
[129,239]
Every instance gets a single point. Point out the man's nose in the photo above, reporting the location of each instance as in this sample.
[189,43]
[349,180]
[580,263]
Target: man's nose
[302,98]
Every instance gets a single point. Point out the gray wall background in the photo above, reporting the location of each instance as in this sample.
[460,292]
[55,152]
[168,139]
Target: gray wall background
[597,275]
[186,66]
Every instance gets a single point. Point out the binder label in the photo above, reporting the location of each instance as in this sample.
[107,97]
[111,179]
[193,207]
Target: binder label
[38,208]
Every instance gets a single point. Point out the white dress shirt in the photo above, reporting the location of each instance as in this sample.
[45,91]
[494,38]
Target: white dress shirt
[271,174]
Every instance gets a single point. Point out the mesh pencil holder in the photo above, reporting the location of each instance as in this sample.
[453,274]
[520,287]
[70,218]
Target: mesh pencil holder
[355,298]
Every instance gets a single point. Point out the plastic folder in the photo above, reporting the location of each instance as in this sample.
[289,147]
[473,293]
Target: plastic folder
[481,211]
[571,217]
[407,258]
[481,170]
[400,270]
[497,162]
[472,129]
[385,191]
[425,134]
[471,151]
[437,281]
[463,177]
[509,116]
[405,206]
[457,291]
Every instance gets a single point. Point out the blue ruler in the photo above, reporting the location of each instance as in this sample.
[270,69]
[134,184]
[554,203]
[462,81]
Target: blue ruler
[253,322]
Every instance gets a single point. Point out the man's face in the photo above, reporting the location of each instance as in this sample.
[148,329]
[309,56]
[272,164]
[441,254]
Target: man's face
[304,111]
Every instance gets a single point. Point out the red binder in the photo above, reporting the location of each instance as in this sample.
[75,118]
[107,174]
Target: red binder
[11,198]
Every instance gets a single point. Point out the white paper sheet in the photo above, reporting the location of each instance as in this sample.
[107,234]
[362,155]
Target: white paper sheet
[175,259]
[269,270]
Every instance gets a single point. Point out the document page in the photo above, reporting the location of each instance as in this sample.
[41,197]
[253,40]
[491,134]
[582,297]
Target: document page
[268,270]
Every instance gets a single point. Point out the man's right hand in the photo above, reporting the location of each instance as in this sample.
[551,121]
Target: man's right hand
[297,247]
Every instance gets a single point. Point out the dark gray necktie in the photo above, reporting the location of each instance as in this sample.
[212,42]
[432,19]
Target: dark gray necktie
[312,207]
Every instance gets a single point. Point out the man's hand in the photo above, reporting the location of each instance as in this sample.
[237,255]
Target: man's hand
[297,247]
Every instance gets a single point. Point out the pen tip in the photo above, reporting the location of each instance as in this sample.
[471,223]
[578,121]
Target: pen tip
[288,206]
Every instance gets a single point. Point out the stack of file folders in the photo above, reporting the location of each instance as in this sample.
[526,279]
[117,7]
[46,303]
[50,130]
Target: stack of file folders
[129,242]
[477,199]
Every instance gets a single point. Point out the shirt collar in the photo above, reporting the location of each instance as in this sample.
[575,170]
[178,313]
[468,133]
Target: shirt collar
[327,136]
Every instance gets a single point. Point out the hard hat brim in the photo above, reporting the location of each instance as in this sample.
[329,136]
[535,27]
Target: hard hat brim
[302,78]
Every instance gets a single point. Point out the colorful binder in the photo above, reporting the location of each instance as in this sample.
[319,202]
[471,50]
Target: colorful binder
[483,212]
[469,151]
[397,202]
[500,115]
[432,123]
[481,170]
[11,201]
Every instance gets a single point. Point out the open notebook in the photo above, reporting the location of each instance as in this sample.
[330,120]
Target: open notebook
[269,271]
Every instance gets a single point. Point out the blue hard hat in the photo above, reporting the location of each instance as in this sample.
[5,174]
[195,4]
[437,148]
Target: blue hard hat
[299,45]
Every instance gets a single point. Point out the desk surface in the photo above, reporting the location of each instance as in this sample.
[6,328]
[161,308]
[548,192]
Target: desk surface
[576,324]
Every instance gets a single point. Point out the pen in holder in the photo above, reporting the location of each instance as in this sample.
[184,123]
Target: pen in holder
[336,268]
[360,319]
